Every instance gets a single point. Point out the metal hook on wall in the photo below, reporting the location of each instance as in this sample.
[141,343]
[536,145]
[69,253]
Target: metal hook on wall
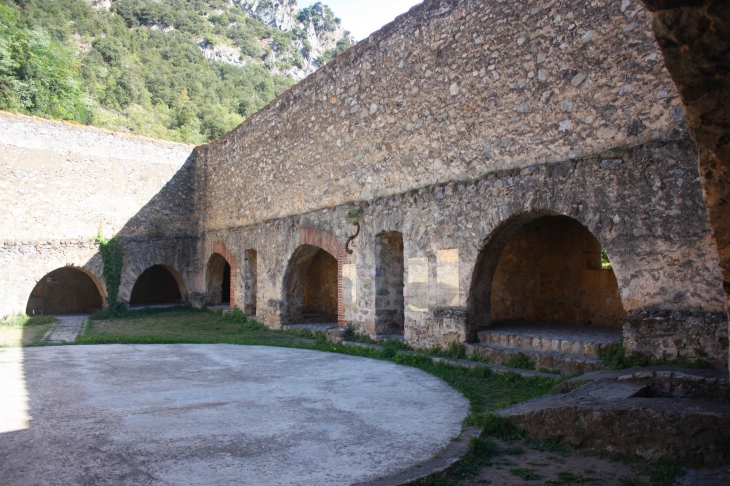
[347,244]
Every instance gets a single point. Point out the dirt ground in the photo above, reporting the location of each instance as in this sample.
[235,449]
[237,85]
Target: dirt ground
[17,336]
[519,465]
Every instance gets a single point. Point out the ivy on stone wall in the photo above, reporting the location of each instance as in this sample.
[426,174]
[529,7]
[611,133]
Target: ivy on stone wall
[112,256]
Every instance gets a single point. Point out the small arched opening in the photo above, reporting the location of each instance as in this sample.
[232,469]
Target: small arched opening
[67,290]
[310,287]
[389,269]
[543,268]
[158,285]
[218,288]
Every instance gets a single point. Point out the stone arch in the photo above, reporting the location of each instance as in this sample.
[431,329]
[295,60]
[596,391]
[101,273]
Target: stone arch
[158,284]
[389,272]
[574,257]
[218,288]
[217,278]
[318,250]
[67,290]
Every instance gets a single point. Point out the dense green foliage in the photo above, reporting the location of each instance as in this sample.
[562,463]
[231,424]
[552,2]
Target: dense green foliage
[136,67]
[113,258]
[605,262]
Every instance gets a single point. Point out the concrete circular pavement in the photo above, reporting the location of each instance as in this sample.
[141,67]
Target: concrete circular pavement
[215,414]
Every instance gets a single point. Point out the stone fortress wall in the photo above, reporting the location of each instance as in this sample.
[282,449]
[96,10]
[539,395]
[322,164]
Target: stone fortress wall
[460,116]
[450,130]
[450,91]
[61,182]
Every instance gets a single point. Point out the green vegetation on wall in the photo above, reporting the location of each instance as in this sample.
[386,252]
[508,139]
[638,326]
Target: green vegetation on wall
[136,67]
[113,258]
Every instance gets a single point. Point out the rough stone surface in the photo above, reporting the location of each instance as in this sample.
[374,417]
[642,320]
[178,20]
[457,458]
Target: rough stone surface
[569,364]
[695,41]
[578,340]
[66,330]
[455,126]
[216,414]
[60,183]
[666,380]
[455,96]
[618,418]
[691,335]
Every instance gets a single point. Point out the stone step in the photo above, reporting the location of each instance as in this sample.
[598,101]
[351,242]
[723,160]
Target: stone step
[575,340]
[311,326]
[388,337]
[666,380]
[460,363]
[569,364]
[624,417]
[317,318]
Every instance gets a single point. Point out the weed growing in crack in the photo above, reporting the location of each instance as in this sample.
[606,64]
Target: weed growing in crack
[495,426]
[521,361]
[614,355]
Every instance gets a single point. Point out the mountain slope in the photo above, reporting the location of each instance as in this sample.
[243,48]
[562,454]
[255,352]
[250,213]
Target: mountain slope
[184,70]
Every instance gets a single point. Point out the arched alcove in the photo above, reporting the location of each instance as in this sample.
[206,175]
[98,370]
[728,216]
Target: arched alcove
[310,286]
[539,267]
[159,284]
[218,281]
[389,269]
[66,290]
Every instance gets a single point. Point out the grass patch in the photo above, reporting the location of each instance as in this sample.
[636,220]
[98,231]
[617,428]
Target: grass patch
[394,344]
[23,330]
[495,426]
[183,325]
[454,350]
[352,336]
[521,361]
[121,312]
[614,355]
[22,320]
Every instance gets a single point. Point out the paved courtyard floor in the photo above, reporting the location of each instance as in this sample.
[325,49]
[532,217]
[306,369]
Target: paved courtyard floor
[215,414]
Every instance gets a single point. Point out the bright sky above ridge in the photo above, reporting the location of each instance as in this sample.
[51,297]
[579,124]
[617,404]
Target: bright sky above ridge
[363,17]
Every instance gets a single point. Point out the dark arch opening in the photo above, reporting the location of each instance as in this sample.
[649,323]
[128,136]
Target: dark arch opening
[218,281]
[310,284]
[156,285]
[389,269]
[66,290]
[543,268]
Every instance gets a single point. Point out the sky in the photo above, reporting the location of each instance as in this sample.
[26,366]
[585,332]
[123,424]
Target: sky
[363,17]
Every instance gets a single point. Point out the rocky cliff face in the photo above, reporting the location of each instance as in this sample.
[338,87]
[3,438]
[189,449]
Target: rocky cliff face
[317,34]
[280,14]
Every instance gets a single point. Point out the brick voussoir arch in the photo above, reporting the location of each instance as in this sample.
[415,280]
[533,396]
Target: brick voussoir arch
[330,244]
[220,248]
